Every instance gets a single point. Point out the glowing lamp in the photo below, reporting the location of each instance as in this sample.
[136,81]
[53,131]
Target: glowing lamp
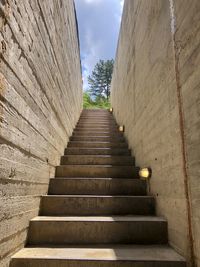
[111,110]
[121,128]
[145,173]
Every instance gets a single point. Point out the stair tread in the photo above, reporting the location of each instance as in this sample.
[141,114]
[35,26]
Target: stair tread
[97,134]
[97,165]
[104,136]
[113,171]
[97,178]
[108,253]
[98,196]
[123,218]
[99,156]
[98,148]
[76,177]
[97,142]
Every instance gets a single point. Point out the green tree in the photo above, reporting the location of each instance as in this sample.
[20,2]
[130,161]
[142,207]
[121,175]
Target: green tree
[87,101]
[99,102]
[100,80]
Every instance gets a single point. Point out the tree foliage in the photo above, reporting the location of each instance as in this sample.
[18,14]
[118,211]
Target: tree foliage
[87,101]
[98,102]
[100,80]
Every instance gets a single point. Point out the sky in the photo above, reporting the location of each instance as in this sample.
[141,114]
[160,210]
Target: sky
[98,23]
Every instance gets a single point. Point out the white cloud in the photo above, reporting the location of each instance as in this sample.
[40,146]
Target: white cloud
[98,31]
[91,56]
[92,1]
[85,80]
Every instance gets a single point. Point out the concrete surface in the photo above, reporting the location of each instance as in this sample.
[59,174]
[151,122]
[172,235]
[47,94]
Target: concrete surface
[99,256]
[155,94]
[101,210]
[40,103]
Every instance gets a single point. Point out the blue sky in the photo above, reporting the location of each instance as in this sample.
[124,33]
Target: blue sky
[99,23]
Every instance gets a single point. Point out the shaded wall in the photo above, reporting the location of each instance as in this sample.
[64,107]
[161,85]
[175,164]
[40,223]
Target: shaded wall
[40,102]
[156,95]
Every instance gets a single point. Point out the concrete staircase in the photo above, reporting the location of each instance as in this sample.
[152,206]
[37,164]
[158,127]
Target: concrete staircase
[97,213]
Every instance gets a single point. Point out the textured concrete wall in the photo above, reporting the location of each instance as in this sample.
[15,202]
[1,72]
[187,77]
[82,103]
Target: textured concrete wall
[155,94]
[40,102]
[187,43]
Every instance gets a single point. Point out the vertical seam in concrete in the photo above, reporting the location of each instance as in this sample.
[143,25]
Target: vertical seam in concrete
[77,32]
[182,132]
[79,47]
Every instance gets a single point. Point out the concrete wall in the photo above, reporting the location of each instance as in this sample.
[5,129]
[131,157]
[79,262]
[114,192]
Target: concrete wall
[156,95]
[40,102]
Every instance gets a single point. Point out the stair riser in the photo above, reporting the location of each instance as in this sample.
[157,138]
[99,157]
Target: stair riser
[98,129]
[95,117]
[92,206]
[92,263]
[97,139]
[73,232]
[96,124]
[85,151]
[96,120]
[95,114]
[95,111]
[97,160]
[96,134]
[97,186]
[97,144]
[96,171]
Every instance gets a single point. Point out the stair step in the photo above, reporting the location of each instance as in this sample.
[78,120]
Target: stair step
[97,124]
[95,134]
[98,186]
[98,129]
[93,117]
[97,171]
[96,160]
[95,111]
[83,205]
[97,120]
[98,138]
[97,151]
[96,116]
[98,256]
[97,230]
[94,144]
